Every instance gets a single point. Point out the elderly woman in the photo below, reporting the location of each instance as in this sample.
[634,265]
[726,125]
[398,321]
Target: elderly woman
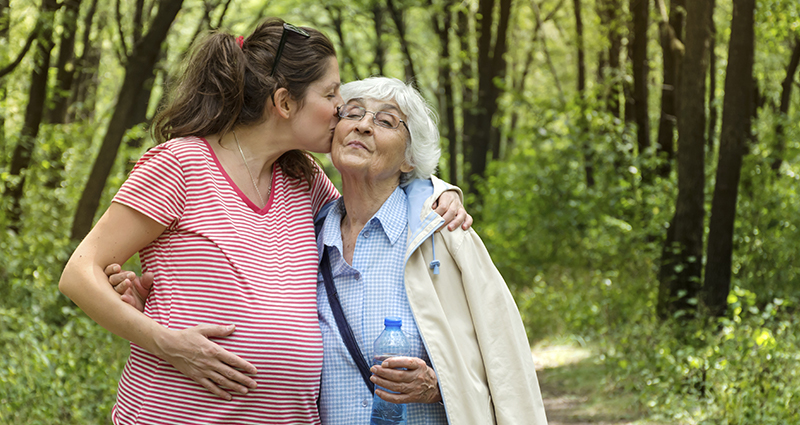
[470,360]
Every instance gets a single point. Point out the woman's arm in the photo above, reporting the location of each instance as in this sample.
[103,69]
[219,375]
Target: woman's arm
[119,233]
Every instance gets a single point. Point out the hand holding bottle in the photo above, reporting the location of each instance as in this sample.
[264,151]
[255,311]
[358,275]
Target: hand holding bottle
[410,378]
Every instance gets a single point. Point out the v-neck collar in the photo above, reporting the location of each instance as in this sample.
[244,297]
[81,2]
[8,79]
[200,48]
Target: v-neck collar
[242,196]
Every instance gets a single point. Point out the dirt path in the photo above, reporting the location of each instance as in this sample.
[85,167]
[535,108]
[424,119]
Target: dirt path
[576,391]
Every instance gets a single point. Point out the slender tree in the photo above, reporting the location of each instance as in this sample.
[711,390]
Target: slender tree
[609,13]
[641,11]
[588,155]
[712,81]
[65,72]
[442,23]
[672,49]
[398,17]
[681,261]
[735,133]
[377,22]
[491,66]
[139,66]
[82,99]
[34,113]
[786,96]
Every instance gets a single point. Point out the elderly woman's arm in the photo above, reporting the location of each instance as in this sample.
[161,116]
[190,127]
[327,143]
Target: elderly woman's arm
[119,233]
[451,209]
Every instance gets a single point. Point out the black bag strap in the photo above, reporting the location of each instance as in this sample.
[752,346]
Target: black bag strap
[344,328]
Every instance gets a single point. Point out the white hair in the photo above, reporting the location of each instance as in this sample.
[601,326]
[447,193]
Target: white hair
[422,148]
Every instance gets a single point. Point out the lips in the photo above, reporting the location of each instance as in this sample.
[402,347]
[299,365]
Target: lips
[356,144]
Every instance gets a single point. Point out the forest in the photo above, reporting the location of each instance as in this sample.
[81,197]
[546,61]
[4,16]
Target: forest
[631,165]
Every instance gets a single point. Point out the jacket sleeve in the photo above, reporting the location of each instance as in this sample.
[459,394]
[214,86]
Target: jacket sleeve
[506,354]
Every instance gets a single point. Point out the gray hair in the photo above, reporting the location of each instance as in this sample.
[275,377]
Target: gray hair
[422,149]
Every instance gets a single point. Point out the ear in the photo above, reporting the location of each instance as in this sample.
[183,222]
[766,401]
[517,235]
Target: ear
[283,103]
[405,167]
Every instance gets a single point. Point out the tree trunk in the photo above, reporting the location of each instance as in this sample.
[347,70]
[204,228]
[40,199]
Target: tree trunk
[735,133]
[399,22]
[786,96]
[347,59]
[641,11]
[712,82]
[5,24]
[65,67]
[609,10]
[588,156]
[85,72]
[380,50]
[442,22]
[469,103]
[491,65]
[682,261]
[138,68]
[672,50]
[34,113]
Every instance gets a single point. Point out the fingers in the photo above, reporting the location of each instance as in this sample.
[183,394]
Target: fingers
[212,386]
[467,223]
[228,358]
[112,269]
[143,285]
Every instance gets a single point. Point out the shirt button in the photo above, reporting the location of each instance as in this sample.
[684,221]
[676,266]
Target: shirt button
[365,402]
[366,234]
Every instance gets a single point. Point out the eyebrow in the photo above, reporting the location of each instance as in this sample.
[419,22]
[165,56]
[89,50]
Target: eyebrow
[382,107]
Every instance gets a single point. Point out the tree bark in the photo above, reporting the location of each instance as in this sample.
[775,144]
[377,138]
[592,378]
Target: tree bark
[5,24]
[712,82]
[400,24]
[786,96]
[491,66]
[609,10]
[588,156]
[735,133]
[34,112]
[469,103]
[672,51]
[65,73]
[380,50]
[82,97]
[641,11]
[138,67]
[682,260]
[347,59]
[442,22]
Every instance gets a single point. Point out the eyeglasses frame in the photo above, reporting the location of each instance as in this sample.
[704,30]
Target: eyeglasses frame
[287,28]
[339,110]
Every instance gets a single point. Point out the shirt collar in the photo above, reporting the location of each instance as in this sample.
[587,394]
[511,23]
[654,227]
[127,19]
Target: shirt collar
[391,217]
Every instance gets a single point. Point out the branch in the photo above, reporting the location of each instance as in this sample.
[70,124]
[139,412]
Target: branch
[550,65]
[667,32]
[224,12]
[123,52]
[28,43]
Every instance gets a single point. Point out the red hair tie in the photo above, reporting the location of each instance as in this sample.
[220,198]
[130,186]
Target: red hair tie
[240,41]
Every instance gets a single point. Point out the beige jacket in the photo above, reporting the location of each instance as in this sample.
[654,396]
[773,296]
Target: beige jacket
[469,323]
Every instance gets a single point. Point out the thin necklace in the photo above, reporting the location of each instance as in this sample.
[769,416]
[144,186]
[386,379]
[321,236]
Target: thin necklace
[253,179]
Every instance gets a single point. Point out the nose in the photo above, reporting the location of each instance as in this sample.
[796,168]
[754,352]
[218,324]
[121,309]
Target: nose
[364,125]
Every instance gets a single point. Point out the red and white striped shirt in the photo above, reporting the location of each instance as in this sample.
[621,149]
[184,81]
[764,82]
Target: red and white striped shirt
[221,261]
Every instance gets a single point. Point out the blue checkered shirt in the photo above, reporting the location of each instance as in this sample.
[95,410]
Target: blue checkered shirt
[369,290]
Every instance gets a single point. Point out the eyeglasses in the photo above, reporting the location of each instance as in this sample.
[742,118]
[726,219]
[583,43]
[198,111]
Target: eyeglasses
[381,118]
[287,28]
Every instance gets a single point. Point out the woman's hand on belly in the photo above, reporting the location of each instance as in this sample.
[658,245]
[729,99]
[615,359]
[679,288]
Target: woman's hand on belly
[216,369]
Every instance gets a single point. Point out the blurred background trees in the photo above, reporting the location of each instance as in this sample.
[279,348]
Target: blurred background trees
[632,165]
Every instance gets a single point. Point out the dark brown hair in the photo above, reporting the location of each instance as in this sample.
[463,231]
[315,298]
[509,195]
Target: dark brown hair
[224,85]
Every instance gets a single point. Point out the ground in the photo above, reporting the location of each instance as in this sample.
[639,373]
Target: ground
[576,390]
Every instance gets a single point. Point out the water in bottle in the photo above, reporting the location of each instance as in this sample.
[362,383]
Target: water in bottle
[390,343]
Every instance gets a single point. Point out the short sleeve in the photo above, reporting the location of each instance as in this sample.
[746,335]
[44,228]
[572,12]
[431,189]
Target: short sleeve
[156,187]
[322,190]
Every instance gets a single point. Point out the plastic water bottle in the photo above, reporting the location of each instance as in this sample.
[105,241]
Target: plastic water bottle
[390,343]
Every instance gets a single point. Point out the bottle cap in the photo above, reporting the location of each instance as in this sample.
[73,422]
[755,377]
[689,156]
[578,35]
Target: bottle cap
[392,321]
